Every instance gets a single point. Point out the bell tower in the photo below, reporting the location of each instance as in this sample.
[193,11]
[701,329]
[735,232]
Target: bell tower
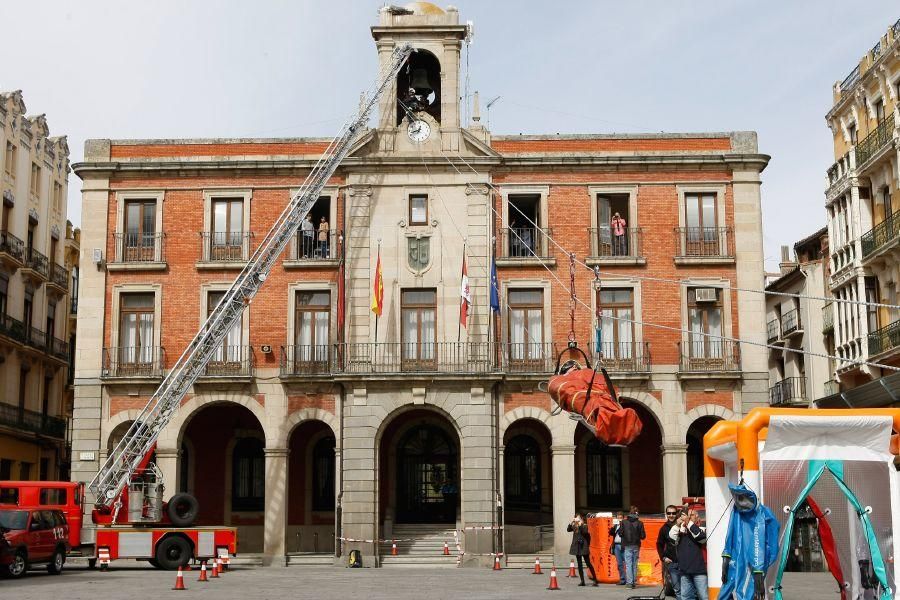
[427,88]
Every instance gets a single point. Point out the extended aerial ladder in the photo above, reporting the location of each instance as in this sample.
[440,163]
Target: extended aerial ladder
[132,454]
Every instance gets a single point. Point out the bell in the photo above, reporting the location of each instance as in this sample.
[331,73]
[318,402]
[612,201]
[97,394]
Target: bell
[419,81]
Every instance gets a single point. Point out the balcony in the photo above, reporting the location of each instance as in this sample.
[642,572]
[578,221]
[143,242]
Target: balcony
[702,245]
[405,358]
[790,323]
[133,362]
[524,245]
[625,359]
[709,358]
[827,318]
[59,279]
[230,362]
[607,248]
[875,141]
[838,176]
[850,80]
[309,360]
[224,249]
[36,267]
[37,339]
[138,251]
[23,419]
[12,250]
[58,348]
[309,251]
[885,339]
[773,331]
[790,391]
[881,238]
[12,329]
[832,387]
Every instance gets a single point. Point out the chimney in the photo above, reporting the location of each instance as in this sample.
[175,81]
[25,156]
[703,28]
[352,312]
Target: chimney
[787,264]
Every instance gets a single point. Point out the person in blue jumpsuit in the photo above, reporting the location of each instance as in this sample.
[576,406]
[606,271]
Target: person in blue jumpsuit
[751,546]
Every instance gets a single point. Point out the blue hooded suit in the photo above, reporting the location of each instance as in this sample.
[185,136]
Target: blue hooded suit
[751,546]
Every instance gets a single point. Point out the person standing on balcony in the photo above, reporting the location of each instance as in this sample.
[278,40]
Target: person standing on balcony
[619,226]
[323,238]
[307,229]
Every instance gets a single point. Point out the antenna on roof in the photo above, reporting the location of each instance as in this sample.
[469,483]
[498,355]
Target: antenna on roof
[488,107]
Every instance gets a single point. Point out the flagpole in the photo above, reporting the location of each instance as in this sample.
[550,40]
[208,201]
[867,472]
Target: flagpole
[462,273]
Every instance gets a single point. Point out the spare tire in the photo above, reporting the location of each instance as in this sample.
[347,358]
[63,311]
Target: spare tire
[182,510]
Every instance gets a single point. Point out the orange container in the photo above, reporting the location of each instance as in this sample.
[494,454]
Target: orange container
[649,569]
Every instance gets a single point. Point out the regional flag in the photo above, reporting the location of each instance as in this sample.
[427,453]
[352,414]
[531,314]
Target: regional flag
[495,288]
[466,295]
[378,289]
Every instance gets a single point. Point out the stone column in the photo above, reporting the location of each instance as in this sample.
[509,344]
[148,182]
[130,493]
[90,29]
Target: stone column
[276,507]
[167,461]
[674,472]
[359,474]
[563,498]
[477,502]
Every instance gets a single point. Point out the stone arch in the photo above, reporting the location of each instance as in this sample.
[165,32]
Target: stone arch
[404,408]
[174,432]
[649,402]
[706,410]
[111,424]
[304,415]
[700,422]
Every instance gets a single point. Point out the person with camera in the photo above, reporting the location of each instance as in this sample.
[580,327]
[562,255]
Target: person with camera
[581,546]
[632,533]
[689,541]
[666,549]
[616,548]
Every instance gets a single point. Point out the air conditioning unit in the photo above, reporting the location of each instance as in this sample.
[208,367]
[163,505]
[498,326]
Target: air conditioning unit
[706,294]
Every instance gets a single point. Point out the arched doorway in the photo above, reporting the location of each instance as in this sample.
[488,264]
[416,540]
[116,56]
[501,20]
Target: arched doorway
[419,469]
[311,488]
[613,478]
[527,487]
[227,470]
[694,441]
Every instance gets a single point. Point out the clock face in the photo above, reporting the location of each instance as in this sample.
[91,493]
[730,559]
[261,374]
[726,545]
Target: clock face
[418,131]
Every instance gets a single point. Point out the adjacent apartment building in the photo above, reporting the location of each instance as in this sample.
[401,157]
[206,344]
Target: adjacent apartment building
[863,205]
[318,421]
[38,258]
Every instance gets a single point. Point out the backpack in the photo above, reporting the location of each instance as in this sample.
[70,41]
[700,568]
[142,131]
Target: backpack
[355,559]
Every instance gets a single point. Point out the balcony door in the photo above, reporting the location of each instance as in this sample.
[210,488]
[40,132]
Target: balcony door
[136,323]
[608,243]
[617,327]
[228,356]
[139,243]
[418,328]
[526,328]
[311,331]
[701,225]
[705,316]
[227,235]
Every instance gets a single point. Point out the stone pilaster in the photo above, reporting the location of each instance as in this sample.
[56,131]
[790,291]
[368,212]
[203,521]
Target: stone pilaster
[674,457]
[276,507]
[563,498]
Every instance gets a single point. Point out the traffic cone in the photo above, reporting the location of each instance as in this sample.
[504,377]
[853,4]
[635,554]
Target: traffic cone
[446,549]
[215,570]
[497,563]
[554,584]
[394,548]
[537,566]
[179,581]
[572,572]
[203,572]
[220,565]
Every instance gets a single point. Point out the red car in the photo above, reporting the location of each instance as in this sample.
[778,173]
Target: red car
[32,537]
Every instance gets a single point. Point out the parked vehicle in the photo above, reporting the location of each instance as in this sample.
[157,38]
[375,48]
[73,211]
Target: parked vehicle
[33,537]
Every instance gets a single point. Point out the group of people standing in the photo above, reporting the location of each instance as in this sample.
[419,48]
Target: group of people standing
[681,546]
[314,241]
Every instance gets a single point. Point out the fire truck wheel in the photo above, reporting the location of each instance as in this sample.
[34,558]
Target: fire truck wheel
[57,561]
[173,552]
[182,510]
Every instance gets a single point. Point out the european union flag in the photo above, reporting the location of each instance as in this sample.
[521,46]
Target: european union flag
[495,288]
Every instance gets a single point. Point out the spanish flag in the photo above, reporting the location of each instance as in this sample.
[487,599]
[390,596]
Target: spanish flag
[378,290]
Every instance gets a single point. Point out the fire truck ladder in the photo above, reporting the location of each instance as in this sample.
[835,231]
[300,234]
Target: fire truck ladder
[139,441]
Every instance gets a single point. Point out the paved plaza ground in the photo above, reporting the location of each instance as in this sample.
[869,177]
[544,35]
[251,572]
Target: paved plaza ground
[131,582]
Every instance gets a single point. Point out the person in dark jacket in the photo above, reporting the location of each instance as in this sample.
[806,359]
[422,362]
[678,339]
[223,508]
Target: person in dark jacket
[632,533]
[581,546]
[616,548]
[665,548]
[690,540]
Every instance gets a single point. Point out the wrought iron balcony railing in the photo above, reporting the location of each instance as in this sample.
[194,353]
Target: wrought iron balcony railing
[605,244]
[139,248]
[773,330]
[59,348]
[313,247]
[703,355]
[310,359]
[133,361]
[851,79]
[29,420]
[225,246]
[37,339]
[231,361]
[525,242]
[790,322]
[59,276]
[884,339]
[37,262]
[790,391]
[529,357]
[12,328]
[704,242]
[625,357]
[883,234]
[398,357]
[875,141]
[13,246]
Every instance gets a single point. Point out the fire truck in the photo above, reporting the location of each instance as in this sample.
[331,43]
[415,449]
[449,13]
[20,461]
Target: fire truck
[130,517]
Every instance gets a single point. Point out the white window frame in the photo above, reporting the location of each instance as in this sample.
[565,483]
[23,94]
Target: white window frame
[595,191]
[722,284]
[137,288]
[526,284]
[124,196]
[543,191]
[311,286]
[699,188]
[626,283]
[205,289]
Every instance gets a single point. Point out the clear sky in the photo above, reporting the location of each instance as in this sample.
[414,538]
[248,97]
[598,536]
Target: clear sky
[214,68]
